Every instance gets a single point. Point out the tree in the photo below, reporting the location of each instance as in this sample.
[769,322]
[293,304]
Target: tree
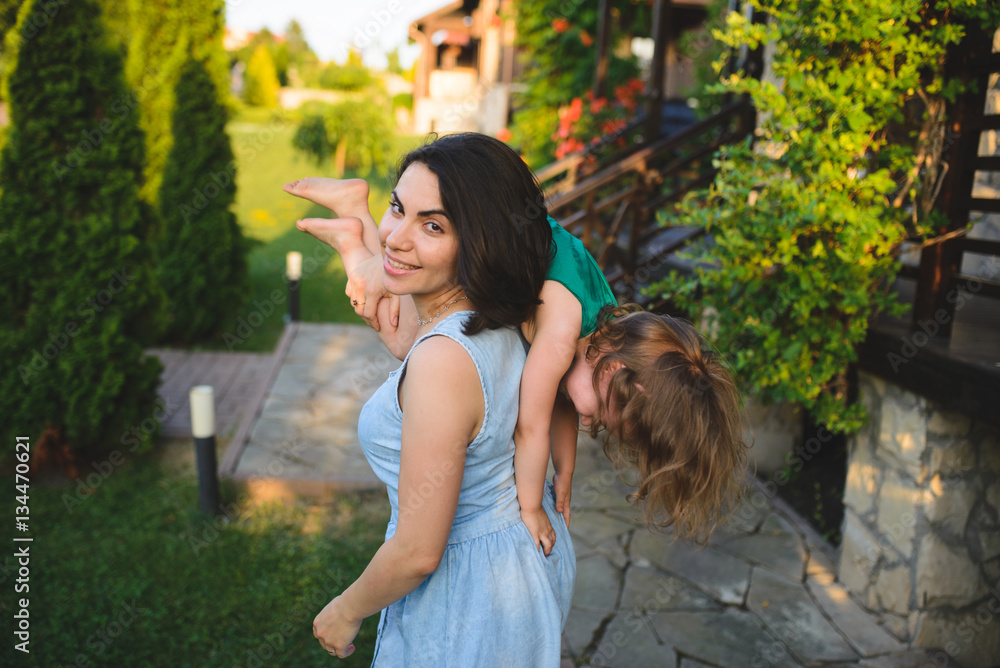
[356,132]
[8,19]
[160,36]
[78,296]
[202,253]
[261,80]
[806,228]
[557,42]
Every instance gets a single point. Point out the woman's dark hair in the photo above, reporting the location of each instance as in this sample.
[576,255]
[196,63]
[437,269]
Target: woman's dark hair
[499,214]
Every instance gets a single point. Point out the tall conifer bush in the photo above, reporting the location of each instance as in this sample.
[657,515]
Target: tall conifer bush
[202,254]
[78,296]
[261,80]
[160,36]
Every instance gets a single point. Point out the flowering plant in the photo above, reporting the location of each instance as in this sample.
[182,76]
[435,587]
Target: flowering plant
[604,124]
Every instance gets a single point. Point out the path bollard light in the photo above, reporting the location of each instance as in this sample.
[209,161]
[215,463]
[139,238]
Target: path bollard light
[293,270]
[203,429]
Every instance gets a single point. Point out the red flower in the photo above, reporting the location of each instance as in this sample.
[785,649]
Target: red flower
[560,25]
[585,38]
[503,135]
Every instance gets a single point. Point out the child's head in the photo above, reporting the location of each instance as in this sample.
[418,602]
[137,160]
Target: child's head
[672,414]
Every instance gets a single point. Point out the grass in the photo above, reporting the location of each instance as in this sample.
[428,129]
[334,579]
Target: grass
[133,575]
[267,215]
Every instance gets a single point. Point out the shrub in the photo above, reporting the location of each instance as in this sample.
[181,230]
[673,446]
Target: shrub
[260,87]
[202,253]
[160,36]
[349,77]
[78,296]
[806,227]
[357,133]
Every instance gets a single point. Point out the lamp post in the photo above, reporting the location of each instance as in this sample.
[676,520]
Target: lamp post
[202,399]
[293,271]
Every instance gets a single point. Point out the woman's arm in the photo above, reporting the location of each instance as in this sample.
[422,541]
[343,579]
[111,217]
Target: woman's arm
[443,410]
[556,329]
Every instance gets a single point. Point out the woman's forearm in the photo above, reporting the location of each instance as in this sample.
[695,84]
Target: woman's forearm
[392,573]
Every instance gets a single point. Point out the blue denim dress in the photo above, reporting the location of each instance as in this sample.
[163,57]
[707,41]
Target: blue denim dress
[494,600]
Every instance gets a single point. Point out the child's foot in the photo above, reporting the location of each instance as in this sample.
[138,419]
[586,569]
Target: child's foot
[344,234]
[347,197]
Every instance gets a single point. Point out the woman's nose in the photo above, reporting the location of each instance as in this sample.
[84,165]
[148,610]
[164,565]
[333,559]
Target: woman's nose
[389,232]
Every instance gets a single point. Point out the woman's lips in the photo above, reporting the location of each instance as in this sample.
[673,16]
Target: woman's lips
[397,268]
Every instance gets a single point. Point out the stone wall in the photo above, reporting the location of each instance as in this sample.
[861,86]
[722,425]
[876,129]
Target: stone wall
[921,533]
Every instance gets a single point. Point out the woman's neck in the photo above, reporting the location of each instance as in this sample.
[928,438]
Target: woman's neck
[431,309]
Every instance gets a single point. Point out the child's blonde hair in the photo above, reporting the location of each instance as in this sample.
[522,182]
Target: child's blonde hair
[672,415]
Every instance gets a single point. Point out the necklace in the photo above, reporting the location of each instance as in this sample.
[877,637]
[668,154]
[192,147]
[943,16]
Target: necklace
[421,323]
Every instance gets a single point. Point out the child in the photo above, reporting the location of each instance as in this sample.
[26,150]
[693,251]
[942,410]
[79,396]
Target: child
[679,484]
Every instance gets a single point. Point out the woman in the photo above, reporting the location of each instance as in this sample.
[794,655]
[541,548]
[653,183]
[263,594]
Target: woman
[458,580]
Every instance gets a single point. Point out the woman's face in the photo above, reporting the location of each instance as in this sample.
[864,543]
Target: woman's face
[578,384]
[420,242]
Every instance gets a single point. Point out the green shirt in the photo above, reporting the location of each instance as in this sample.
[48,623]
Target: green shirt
[574,267]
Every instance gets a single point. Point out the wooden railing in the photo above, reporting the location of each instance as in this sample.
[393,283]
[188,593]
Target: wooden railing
[613,207]
[939,274]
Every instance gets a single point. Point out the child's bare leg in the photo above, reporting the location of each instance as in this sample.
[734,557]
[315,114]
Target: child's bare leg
[347,198]
[344,234]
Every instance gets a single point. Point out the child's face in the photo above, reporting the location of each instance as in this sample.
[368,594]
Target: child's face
[578,384]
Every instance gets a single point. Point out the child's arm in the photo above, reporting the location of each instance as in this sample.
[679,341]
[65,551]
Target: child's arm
[553,337]
[563,434]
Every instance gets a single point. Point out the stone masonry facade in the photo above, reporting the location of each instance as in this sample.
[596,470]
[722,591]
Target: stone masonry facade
[921,533]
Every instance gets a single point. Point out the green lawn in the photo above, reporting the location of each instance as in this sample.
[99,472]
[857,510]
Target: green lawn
[133,575]
[262,143]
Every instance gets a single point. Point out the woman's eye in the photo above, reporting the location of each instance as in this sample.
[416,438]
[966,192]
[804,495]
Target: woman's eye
[396,208]
[434,227]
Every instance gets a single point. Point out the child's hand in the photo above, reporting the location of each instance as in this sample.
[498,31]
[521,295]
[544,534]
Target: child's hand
[563,484]
[364,287]
[540,528]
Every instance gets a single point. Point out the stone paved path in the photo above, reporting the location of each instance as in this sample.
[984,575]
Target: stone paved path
[762,593]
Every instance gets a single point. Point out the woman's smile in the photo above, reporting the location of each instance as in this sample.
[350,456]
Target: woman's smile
[419,240]
[401,267]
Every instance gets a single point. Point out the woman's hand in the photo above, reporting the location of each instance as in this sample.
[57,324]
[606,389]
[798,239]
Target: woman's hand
[334,630]
[540,528]
[365,288]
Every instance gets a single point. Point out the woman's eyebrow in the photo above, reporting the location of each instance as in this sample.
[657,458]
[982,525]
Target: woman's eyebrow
[420,214]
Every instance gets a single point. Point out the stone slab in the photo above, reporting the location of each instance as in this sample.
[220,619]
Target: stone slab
[733,638]
[790,614]
[775,546]
[598,584]
[861,628]
[647,589]
[629,642]
[718,574]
